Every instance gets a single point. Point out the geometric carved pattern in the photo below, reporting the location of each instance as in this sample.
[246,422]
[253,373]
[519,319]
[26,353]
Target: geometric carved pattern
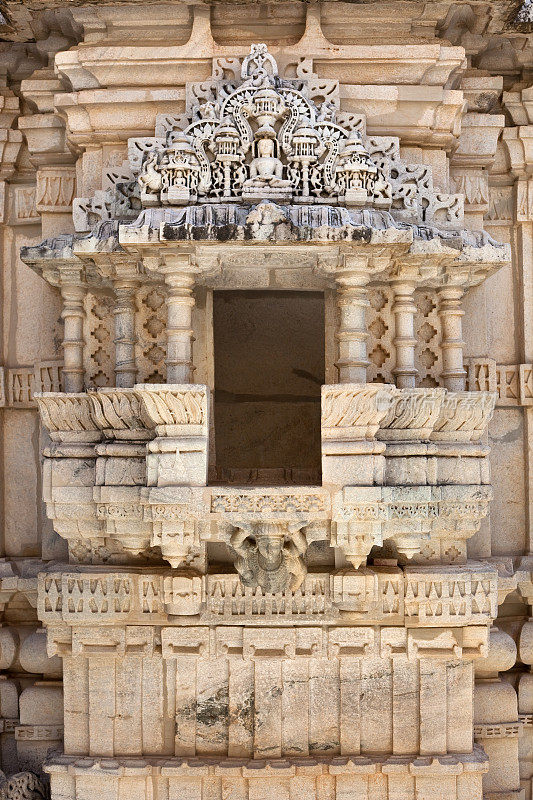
[513,383]
[427,596]
[99,350]
[380,323]
[150,327]
[428,354]
[381,333]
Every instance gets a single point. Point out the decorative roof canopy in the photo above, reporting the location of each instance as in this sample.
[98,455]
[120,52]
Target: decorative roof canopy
[258,137]
[257,158]
[264,138]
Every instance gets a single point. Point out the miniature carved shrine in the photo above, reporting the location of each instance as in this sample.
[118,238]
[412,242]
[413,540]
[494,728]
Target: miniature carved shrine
[278,269]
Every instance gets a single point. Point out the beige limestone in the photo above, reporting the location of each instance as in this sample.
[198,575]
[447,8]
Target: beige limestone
[267,398]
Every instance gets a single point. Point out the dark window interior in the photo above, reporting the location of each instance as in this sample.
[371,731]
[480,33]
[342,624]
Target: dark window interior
[269,367]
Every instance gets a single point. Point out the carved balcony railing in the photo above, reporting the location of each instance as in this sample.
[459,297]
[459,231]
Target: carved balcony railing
[405,480]
[403,470]
[407,469]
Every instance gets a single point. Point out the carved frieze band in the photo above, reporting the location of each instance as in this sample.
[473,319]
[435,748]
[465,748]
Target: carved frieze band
[19,384]
[513,383]
[502,730]
[251,644]
[418,596]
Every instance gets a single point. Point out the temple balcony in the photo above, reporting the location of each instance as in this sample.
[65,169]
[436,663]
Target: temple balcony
[404,470]
[264,460]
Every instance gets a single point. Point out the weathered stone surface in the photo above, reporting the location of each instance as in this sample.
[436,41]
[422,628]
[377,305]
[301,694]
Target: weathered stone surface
[338,606]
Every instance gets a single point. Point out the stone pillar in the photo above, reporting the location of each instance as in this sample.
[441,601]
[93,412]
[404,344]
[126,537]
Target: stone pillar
[352,298]
[450,312]
[475,153]
[124,311]
[404,310]
[525,709]
[73,289]
[518,142]
[178,273]
[496,724]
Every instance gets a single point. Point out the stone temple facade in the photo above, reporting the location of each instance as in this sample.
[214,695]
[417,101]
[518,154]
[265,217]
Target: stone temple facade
[267,400]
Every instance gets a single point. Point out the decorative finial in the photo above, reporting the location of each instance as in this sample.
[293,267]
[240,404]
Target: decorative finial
[254,64]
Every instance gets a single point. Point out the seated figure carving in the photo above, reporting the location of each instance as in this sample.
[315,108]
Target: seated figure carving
[266,174]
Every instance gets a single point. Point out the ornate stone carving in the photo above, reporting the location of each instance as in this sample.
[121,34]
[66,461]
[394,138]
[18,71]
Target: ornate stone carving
[354,410]
[165,407]
[68,417]
[24,786]
[429,596]
[265,138]
[257,504]
[464,416]
[118,412]
[55,188]
[183,595]
[270,556]
[412,415]
[259,136]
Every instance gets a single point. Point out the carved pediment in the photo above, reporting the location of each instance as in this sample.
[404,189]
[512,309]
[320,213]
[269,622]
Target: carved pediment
[261,137]
[256,136]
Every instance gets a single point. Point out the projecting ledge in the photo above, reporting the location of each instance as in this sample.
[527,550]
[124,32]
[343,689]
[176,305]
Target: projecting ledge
[127,469]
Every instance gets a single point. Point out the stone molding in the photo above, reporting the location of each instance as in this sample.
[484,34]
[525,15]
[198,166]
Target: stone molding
[38,733]
[19,576]
[444,643]
[502,730]
[461,774]
[513,383]
[418,596]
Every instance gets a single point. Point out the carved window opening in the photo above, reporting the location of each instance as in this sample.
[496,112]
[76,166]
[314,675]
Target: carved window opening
[269,369]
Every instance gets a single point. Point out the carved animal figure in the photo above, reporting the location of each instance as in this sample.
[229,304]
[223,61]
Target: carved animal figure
[150,177]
